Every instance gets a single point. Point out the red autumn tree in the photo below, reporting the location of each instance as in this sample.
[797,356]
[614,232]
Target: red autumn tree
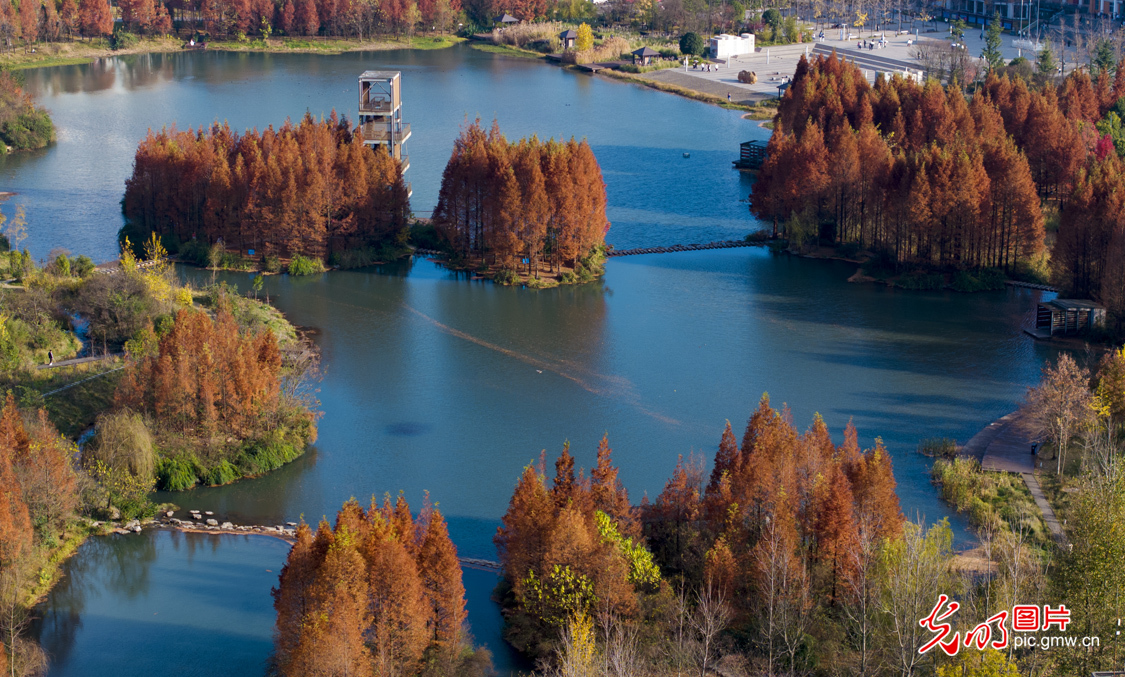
[503,203]
[95,17]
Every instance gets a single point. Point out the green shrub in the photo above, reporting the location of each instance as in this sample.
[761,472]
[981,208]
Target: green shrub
[942,447]
[760,235]
[364,256]
[271,264]
[989,279]
[920,281]
[778,246]
[28,131]
[176,474]
[568,278]
[426,236]
[81,266]
[195,252]
[506,277]
[302,265]
[221,473]
[849,250]
[122,40]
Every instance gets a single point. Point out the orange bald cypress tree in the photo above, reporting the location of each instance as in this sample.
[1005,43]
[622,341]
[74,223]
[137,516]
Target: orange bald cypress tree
[441,577]
[363,598]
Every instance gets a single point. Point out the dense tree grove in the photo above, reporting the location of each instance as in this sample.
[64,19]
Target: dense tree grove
[503,202]
[309,189]
[924,176]
[915,171]
[39,494]
[789,527]
[213,394]
[379,594]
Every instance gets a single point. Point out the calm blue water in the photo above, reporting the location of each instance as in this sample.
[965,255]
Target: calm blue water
[436,383]
[72,191]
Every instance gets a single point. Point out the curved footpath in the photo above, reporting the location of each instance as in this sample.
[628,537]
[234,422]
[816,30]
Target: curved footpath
[1005,445]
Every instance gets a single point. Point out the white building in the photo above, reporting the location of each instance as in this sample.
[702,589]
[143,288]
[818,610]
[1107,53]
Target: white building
[725,46]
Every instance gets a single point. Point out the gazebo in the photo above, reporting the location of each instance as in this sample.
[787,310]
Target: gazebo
[644,55]
[568,37]
[508,20]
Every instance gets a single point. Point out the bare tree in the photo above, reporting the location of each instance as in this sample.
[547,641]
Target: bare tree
[1060,404]
[861,596]
[712,613]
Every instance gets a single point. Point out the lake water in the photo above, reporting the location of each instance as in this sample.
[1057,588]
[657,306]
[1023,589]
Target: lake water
[437,383]
[656,196]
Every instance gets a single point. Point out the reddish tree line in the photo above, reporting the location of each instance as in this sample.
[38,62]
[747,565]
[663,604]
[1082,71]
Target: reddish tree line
[304,189]
[376,594]
[916,171]
[817,501]
[502,202]
[45,20]
[781,506]
[929,177]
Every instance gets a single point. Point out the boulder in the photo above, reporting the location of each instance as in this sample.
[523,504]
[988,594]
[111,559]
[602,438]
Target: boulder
[748,77]
[212,523]
[208,513]
[227,525]
[196,516]
[169,513]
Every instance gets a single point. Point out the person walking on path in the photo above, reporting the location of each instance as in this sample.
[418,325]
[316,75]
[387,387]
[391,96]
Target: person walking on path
[50,358]
[728,97]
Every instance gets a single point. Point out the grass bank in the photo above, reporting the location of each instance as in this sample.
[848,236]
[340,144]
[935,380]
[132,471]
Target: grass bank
[86,51]
[688,93]
[991,500]
[506,50]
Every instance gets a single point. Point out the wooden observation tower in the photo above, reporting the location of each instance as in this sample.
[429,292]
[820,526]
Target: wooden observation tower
[380,113]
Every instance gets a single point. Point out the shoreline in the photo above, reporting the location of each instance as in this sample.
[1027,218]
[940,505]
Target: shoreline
[81,52]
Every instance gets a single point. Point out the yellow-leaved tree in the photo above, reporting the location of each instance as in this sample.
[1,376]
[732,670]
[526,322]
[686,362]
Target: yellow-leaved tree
[585,38]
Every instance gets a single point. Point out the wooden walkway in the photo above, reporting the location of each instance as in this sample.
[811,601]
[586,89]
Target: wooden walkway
[1005,446]
[725,244]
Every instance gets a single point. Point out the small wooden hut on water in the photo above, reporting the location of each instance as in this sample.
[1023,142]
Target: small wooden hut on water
[1066,317]
[508,20]
[751,156]
[568,37]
